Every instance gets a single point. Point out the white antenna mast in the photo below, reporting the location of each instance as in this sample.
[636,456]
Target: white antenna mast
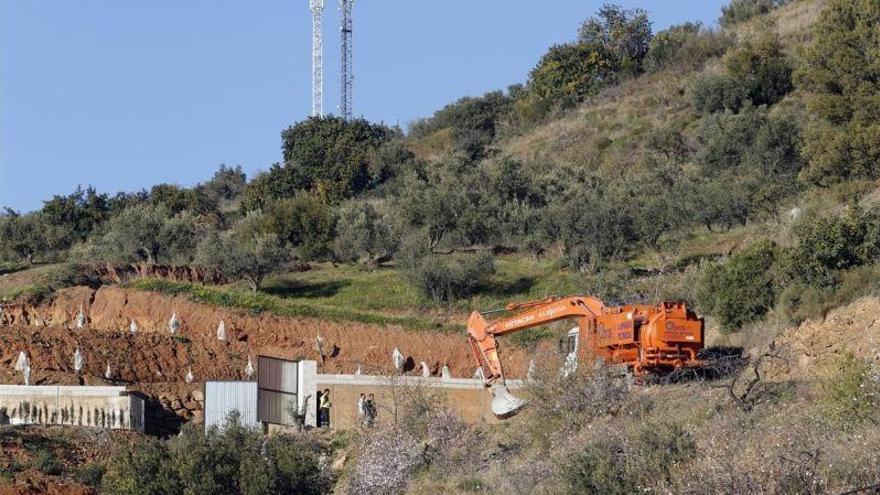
[317,8]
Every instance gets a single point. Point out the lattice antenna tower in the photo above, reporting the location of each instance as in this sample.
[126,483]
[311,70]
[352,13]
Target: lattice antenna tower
[347,75]
[317,8]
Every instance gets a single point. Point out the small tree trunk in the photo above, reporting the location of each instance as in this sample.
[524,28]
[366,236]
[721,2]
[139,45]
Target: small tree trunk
[254,283]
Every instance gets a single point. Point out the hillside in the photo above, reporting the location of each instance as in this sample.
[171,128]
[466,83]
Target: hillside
[733,168]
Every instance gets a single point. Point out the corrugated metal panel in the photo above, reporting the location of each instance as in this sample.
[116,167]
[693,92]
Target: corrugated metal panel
[277,395]
[277,407]
[275,374]
[221,398]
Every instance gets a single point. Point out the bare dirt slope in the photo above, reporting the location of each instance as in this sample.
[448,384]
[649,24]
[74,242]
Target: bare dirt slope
[110,310]
[852,328]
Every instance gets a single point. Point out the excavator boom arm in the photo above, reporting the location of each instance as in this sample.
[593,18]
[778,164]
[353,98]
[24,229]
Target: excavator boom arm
[482,334]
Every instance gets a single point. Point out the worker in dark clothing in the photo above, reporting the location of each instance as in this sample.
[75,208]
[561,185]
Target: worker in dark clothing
[370,411]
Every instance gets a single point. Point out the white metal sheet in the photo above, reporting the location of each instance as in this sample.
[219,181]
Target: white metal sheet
[221,398]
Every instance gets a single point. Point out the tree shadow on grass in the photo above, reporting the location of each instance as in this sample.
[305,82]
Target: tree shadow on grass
[296,288]
[521,285]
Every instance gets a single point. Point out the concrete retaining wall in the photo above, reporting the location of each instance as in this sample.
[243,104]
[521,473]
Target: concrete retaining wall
[467,396]
[103,407]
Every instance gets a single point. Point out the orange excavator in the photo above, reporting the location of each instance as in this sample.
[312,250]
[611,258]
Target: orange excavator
[645,338]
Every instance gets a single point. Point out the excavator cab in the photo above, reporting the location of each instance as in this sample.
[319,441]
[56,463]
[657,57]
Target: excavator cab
[570,351]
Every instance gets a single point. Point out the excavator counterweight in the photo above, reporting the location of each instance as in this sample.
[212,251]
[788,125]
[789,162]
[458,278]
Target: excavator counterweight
[647,339]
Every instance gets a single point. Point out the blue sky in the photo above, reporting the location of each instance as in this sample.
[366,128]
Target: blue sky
[124,94]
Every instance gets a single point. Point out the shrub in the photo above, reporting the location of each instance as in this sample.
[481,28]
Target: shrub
[388,458]
[21,237]
[144,233]
[364,233]
[47,463]
[144,468]
[834,242]
[569,73]
[226,184]
[453,445]
[563,403]
[445,278]
[738,11]
[616,462]
[840,77]
[716,93]
[743,288]
[72,218]
[684,46]
[669,142]
[331,154]
[175,199]
[474,122]
[229,460]
[305,222]
[91,474]
[754,158]
[762,67]
[593,229]
[246,252]
[850,392]
[625,34]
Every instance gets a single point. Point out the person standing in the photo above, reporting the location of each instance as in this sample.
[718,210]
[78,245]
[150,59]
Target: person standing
[325,409]
[362,412]
[370,411]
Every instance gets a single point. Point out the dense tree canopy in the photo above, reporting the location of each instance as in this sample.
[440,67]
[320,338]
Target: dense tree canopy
[841,72]
[625,34]
[331,155]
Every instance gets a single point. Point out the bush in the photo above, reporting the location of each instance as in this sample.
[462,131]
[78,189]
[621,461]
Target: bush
[144,468]
[91,474]
[331,155]
[716,93]
[593,229]
[231,460]
[21,237]
[615,462]
[762,67]
[305,222]
[144,233]
[47,463]
[743,288]
[445,278]
[685,47]
[832,243]
[625,34]
[388,458]
[175,199]
[738,11]
[839,76]
[567,74]
[227,183]
[365,234]
[474,122]
[246,252]
[850,392]
[752,157]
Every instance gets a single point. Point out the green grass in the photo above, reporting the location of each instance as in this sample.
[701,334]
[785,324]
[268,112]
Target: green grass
[347,286]
[381,296]
[261,302]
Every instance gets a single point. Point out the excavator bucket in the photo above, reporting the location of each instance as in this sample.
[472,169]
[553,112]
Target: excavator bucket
[504,404]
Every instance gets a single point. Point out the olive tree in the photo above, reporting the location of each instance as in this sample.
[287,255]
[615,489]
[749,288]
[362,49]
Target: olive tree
[364,233]
[246,252]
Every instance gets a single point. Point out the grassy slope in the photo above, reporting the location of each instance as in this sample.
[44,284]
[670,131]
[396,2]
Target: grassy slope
[382,296]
